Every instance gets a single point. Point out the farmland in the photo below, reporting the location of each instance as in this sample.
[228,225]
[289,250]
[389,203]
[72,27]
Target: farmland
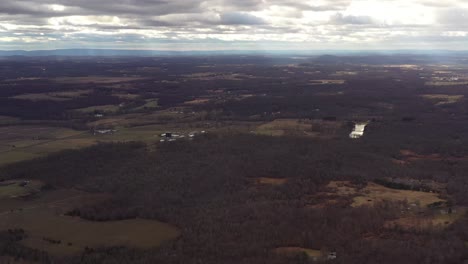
[49,230]
[228,159]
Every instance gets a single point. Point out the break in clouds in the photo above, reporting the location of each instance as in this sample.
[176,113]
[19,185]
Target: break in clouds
[234,24]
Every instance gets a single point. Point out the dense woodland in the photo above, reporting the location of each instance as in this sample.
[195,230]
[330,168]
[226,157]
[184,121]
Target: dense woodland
[225,218]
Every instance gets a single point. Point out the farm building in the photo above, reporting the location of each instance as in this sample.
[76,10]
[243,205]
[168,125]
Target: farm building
[358,130]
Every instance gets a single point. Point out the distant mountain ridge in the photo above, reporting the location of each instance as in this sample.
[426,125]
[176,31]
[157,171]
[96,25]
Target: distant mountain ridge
[120,52]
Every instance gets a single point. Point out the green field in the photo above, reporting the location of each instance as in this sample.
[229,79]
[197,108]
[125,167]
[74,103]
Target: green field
[19,143]
[12,189]
[101,108]
[43,221]
[151,103]
[39,97]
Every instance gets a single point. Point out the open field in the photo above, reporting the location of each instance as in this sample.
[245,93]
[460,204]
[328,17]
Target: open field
[374,193]
[297,127]
[294,252]
[443,99]
[19,188]
[409,156]
[71,94]
[325,82]
[19,133]
[16,156]
[150,103]
[436,219]
[128,96]
[99,108]
[197,101]
[76,234]
[25,142]
[282,127]
[54,96]
[39,97]
[44,222]
[271,181]
[96,80]
[211,76]
[445,83]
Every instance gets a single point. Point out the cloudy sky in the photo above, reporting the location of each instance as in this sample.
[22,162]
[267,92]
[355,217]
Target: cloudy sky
[234,24]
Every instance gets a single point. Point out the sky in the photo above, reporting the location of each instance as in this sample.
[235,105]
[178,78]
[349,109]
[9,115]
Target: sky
[234,24]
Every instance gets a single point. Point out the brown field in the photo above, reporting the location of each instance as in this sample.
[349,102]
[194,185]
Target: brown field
[102,108]
[323,82]
[270,181]
[96,79]
[210,76]
[345,73]
[374,193]
[409,156]
[25,142]
[443,99]
[431,220]
[446,83]
[43,219]
[197,101]
[55,96]
[281,127]
[150,103]
[13,188]
[294,251]
[71,94]
[126,95]
[39,97]
[16,156]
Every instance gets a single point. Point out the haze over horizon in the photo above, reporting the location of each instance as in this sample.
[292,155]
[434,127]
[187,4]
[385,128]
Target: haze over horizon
[234,25]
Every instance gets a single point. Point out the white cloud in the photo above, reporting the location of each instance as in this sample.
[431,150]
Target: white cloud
[314,23]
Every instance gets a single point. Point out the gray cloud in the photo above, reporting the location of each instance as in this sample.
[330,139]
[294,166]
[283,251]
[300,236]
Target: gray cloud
[340,19]
[236,18]
[135,22]
[453,16]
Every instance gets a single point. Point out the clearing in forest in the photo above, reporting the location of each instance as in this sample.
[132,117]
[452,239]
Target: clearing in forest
[374,193]
[433,219]
[294,251]
[271,181]
[443,99]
